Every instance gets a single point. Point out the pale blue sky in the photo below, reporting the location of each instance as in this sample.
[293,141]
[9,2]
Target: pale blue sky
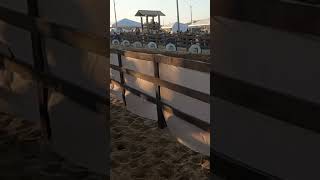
[128,8]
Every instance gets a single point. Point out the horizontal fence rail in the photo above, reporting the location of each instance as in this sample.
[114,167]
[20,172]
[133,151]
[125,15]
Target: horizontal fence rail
[156,58]
[168,108]
[175,59]
[298,112]
[296,16]
[229,168]
[68,35]
[74,92]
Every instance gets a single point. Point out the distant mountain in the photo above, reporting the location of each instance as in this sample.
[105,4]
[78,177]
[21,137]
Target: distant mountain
[127,23]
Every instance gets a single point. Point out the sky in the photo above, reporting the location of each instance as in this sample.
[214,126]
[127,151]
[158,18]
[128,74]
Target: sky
[128,8]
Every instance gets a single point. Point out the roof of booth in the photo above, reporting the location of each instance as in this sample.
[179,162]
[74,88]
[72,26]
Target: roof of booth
[149,13]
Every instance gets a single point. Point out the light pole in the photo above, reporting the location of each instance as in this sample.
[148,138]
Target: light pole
[178,15]
[115,13]
[191,11]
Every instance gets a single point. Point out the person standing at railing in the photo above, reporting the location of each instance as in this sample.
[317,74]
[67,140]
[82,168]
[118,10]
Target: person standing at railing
[137,31]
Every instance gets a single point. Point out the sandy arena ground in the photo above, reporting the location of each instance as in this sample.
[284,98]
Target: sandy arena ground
[139,151]
[22,157]
[142,151]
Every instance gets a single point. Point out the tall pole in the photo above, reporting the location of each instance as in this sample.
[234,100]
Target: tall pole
[178,15]
[115,13]
[191,12]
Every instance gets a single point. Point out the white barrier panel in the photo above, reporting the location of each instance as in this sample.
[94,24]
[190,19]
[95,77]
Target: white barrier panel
[188,134]
[288,63]
[141,107]
[16,5]
[19,96]
[186,104]
[185,77]
[83,15]
[114,59]
[115,42]
[115,75]
[137,44]
[140,85]
[116,91]
[18,40]
[80,67]
[144,67]
[18,91]
[78,133]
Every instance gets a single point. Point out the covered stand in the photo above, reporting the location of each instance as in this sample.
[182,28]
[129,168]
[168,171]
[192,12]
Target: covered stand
[147,14]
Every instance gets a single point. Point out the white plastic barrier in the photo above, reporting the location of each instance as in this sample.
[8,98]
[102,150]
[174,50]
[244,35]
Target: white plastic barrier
[116,42]
[152,45]
[18,39]
[278,60]
[16,5]
[18,91]
[77,133]
[19,96]
[125,43]
[80,67]
[186,133]
[195,49]
[83,137]
[137,44]
[142,66]
[77,130]
[171,47]
[114,59]
[189,78]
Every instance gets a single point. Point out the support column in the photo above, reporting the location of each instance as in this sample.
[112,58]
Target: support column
[147,23]
[40,65]
[159,20]
[141,23]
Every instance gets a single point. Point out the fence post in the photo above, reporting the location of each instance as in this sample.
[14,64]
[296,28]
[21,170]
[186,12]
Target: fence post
[39,56]
[122,82]
[161,120]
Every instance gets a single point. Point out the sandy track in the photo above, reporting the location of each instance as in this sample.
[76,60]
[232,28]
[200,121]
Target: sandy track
[142,151]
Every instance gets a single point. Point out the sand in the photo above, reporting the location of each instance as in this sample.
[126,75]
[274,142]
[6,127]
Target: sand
[140,150]
[24,156]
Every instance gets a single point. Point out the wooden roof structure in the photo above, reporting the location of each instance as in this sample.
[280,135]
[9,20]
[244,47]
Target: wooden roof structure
[149,13]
